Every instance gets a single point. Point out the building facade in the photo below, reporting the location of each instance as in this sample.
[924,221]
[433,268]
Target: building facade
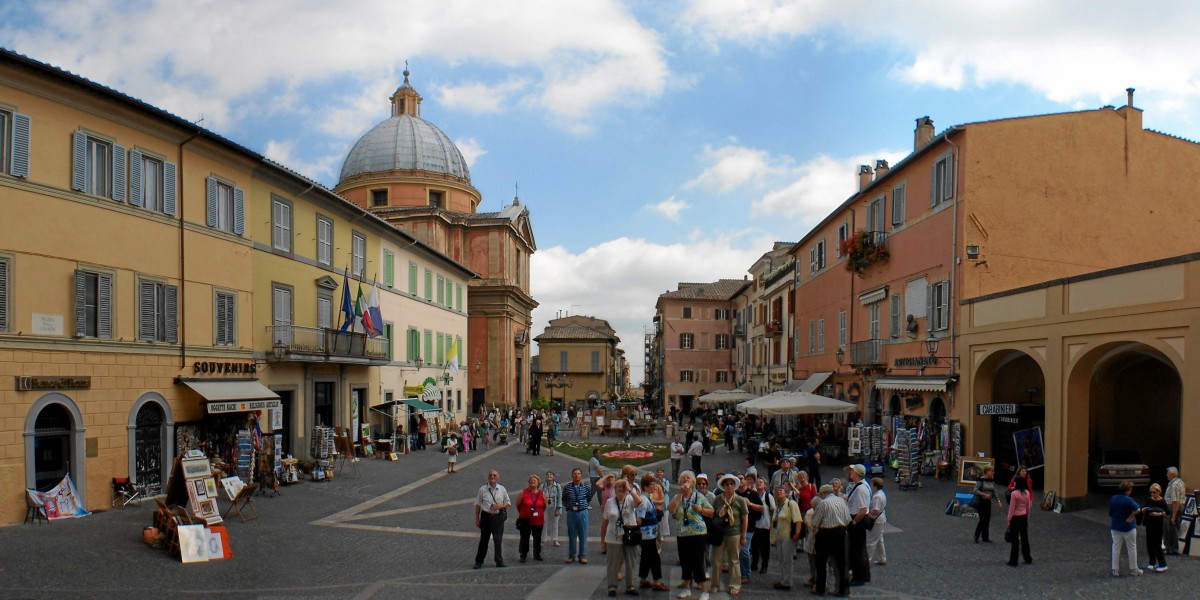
[695,326]
[579,361]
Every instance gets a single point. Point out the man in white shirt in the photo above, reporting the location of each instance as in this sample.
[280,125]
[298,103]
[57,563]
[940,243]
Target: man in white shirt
[677,451]
[491,504]
[696,451]
[828,526]
[1175,497]
[858,502]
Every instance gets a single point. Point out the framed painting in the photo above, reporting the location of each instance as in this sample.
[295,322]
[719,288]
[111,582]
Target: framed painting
[971,469]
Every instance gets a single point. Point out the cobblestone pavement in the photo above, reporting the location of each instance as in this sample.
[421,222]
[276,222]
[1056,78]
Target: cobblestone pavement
[404,530]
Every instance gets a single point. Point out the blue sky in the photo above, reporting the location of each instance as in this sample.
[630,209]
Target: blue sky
[654,142]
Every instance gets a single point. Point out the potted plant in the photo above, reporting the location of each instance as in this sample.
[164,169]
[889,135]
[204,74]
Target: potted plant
[863,250]
[306,465]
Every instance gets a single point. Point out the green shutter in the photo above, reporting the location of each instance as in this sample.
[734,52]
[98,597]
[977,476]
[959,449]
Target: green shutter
[412,278]
[458,297]
[389,265]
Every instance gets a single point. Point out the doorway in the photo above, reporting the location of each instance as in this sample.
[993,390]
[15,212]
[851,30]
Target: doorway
[52,446]
[323,395]
[148,447]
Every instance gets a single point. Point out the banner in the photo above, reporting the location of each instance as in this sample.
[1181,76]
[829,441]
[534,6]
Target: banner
[61,501]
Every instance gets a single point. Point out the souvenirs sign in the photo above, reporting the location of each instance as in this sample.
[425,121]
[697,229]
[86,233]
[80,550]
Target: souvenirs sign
[242,406]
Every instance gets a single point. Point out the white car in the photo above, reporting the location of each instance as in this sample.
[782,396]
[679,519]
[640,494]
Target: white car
[1111,467]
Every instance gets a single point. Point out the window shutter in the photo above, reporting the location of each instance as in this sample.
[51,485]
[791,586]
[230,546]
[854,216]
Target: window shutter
[20,145]
[78,161]
[169,188]
[211,194]
[219,319]
[171,305]
[146,301]
[80,304]
[104,307]
[118,173]
[389,265]
[135,178]
[239,211]
[3,295]
[929,290]
[933,187]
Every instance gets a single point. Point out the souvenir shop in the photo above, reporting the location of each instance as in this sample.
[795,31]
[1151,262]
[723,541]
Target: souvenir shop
[915,435]
[241,432]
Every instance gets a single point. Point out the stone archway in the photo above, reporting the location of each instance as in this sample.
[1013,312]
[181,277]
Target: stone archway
[55,417]
[150,433]
[1010,385]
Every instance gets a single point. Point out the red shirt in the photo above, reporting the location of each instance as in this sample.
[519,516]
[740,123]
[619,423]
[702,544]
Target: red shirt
[804,497]
[532,507]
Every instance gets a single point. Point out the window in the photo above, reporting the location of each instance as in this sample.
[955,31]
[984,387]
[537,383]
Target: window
[843,235]
[938,306]
[226,206]
[324,240]
[281,224]
[941,187]
[721,314]
[898,199]
[429,285]
[812,337]
[441,289]
[324,310]
[449,294]
[722,376]
[412,350]
[388,333]
[98,167]
[816,257]
[875,214]
[157,318]
[894,309]
[360,254]
[437,198]
[441,348]
[379,197]
[93,304]
[458,349]
[151,183]
[281,312]
[412,278]
[722,341]
[873,320]
[687,312]
[429,348]
[389,268]
[685,376]
[687,341]
[225,318]
[14,143]
[458,297]
[562,361]
[820,335]
[842,329]
[5,286]
[595,361]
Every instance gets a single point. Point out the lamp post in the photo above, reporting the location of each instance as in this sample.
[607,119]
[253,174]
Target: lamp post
[840,355]
[446,379]
[559,381]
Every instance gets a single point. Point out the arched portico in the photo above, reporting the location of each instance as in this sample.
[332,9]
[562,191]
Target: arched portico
[62,431]
[150,441]
[1008,396]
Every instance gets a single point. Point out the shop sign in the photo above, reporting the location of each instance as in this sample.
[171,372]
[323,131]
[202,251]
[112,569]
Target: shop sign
[242,406]
[223,368]
[26,383]
[913,402]
[915,361]
[47,324]
[997,409]
[414,391]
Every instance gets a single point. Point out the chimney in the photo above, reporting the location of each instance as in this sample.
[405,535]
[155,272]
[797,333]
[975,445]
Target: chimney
[924,132]
[881,169]
[1129,96]
[864,177]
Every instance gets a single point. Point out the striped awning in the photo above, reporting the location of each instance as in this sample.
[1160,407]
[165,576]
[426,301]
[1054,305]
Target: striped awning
[912,384]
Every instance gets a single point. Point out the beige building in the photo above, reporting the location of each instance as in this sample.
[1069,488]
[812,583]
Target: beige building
[579,361]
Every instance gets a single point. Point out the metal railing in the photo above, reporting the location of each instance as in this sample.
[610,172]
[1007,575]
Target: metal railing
[315,341]
[869,352]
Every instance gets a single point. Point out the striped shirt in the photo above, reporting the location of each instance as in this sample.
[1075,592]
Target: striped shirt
[830,512]
[577,496]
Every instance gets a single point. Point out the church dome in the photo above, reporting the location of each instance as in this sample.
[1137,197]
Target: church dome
[405,142]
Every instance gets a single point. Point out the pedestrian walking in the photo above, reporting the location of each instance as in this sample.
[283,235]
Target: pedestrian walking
[696,452]
[1154,518]
[813,465]
[786,528]
[982,500]
[491,510]
[451,446]
[858,502]
[1019,503]
[619,514]
[554,507]
[689,508]
[1175,497]
[1122,510]
[577,497]
[876,551]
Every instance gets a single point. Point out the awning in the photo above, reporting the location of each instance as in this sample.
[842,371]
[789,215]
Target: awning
[815,380]
[912,384]
[234,396]
[794,386]
[873,296]
[420,406]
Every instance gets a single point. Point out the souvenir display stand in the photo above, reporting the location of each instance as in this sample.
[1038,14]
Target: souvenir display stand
[324,451]
[867,446]
[908,458]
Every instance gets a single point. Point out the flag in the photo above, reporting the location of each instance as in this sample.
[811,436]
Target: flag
[347,305]
[360,312]
[452,355]
[373,310]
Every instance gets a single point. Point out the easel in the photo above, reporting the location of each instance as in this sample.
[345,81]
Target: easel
[346,454]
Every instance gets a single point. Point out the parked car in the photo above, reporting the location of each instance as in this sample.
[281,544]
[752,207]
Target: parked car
[1111,467]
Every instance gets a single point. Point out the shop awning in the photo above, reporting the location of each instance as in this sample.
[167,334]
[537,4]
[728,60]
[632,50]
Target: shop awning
[234,396]
[420,406]
[794,386]
[873,296]
[912,384]
[815,381]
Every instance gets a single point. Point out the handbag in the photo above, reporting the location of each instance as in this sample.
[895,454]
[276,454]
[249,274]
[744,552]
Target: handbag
[630,536]
[1008,535]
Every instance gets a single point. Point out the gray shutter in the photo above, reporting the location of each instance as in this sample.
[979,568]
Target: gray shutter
[20,145]
[147,324]
[78,161]
[221,317]
[3,295]
[239,211]
[933,186]
[104,307]
[929,308]
[80,304]
[118,173]
[211,194]
[169,188]
[171,306]
[135,178]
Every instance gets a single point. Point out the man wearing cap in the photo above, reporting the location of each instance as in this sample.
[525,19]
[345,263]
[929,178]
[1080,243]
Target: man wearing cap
[829,520]
[859,504]
[734,512]
[787,477]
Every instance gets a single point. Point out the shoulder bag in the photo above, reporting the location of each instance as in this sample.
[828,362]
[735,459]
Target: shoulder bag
[630,536]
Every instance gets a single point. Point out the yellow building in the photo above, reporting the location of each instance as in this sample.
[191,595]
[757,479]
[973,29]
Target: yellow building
[154,276]
[578,361]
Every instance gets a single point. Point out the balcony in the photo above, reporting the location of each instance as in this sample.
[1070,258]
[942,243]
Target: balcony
[312,344]
[866,354]
[773,329]
[863,249]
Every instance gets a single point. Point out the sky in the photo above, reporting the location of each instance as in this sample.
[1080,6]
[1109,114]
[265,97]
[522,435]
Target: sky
[654,142]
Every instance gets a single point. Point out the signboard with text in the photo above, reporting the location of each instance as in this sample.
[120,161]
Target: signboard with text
[997,409]
[242,406]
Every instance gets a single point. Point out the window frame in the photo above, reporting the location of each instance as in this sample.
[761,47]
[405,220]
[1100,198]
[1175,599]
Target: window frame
[821,334]
[441,198]
[102,312]
[375,197]
[224,324]
[722,341]
[687,341]
[6,292]
[899,202]
[841,329]
[812,336]
[941,185]
[7,127]
[282,224]
[325,227]
[895,310]
[327,295]
[686,376]
[843,234]
[686,313]
[138,160]
[165,310]
[876,213]
[359,254]
[389,268]
[874,320]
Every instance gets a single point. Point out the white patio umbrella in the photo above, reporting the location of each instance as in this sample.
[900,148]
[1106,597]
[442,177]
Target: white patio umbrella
[795,403]
[719,396]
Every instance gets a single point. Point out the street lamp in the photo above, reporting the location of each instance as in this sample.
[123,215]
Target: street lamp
[278,349]
[560,382]
[840,355]
[446,379]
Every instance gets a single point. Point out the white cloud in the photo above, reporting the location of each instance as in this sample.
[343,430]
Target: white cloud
[471,149]
[818,186]
[283,152]
[480,97]
[620,280]
[669,208]
[732,167]
[1073,52]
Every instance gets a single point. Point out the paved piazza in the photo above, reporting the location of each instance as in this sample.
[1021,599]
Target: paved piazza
[404,530]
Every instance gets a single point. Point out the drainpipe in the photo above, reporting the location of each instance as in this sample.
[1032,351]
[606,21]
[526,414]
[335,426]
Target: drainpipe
[182,321]
[950,312]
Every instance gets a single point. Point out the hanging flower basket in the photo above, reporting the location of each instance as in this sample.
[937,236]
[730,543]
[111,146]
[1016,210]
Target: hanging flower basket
[862,250]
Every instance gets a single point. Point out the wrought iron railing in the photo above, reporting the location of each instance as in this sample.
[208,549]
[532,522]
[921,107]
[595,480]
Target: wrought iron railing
[315,341]
[869,352]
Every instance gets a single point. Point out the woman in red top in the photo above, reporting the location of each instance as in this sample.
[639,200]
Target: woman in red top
[805,492]
[531,516]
